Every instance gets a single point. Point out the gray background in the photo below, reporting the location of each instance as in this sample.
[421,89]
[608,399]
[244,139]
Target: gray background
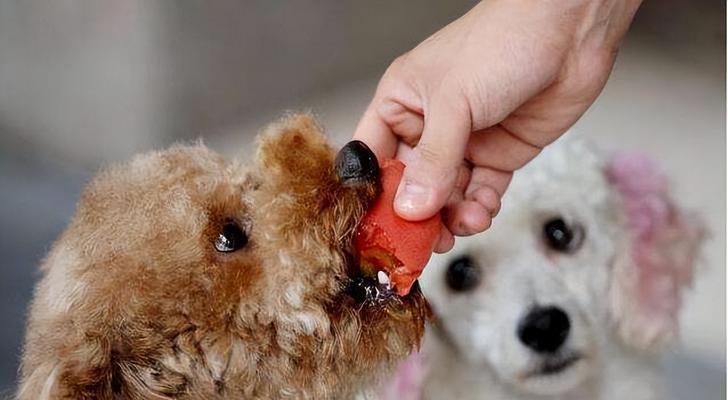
[85,83]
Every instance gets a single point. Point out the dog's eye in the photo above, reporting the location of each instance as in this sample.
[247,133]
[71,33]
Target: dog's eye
[462,274]
[231,238]
[560,236]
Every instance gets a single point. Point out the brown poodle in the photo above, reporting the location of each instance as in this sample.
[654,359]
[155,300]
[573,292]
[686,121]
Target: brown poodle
[184,276]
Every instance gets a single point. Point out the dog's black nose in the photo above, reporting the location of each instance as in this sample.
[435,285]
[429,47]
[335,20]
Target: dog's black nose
[356,163]
[544,329]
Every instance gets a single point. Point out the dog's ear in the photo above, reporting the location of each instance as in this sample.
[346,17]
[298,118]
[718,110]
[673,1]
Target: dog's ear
[295,169]
[294,151]
[657,257]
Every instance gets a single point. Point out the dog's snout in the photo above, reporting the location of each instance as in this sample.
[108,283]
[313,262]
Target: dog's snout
[544,329]
[356,163]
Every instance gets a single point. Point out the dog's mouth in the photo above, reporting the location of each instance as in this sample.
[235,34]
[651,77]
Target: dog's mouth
[377,290]
[370,290]
[375,293]
[554,365]
[371,285]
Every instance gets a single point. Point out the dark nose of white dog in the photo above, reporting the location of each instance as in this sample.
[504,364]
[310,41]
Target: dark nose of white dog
[544,329]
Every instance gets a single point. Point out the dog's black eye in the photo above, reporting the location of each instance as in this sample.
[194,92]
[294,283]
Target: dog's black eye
[560,236]
[231,238]
[462,274]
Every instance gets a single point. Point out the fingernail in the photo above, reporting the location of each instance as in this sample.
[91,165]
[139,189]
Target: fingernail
[411,198]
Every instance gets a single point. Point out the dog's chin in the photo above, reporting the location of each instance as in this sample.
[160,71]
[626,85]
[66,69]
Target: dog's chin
[554,375]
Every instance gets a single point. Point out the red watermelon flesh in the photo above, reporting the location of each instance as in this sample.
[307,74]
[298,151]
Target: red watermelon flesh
[386,242]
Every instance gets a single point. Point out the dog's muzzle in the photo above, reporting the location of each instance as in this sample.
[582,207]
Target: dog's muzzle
[544,330]
[356,164]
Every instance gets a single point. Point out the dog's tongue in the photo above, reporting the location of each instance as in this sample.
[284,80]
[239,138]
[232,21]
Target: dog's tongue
[386,242]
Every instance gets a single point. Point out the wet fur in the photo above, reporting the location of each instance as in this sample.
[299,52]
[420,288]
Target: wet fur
[135,302]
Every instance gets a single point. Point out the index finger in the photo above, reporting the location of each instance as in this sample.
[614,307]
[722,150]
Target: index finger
[373,131]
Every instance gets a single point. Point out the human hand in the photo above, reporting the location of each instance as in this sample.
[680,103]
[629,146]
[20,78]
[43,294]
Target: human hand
[481,97]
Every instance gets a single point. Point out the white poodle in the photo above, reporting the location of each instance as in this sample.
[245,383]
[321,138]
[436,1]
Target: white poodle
[570,295]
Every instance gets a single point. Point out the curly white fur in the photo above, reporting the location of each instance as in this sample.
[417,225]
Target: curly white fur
[474,352]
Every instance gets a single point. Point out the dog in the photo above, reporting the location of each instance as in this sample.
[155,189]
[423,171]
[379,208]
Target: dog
[571,294]
[186,276]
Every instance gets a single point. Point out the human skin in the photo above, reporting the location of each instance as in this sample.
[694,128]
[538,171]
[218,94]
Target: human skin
[481,97]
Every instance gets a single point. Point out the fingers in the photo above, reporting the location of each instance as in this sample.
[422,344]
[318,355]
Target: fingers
[468,217]
[489,199]
[394,114]
[489,177]
[446,241]
[406,123]
[471,209]
[432,168]
[473,199]
[373,131]
[499,148]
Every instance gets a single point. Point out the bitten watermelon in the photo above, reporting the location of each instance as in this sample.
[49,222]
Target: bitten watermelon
[386,242]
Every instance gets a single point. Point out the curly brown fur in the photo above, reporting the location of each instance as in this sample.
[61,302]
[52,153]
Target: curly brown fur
[136,303]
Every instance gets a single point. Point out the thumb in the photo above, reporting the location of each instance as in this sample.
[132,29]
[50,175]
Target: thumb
[432,167]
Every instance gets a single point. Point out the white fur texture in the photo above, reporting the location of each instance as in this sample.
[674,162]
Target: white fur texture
[474,351]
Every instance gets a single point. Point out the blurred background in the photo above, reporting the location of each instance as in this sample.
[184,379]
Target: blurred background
[86,83]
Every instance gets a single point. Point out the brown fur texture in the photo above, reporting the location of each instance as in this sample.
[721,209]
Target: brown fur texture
[136,303]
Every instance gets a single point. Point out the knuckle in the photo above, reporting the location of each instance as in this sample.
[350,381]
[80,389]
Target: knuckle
[400,61]
[430,155]
[395,68]
[390,111]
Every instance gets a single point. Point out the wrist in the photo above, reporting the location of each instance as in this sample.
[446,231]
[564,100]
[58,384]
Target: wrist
[604,23]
